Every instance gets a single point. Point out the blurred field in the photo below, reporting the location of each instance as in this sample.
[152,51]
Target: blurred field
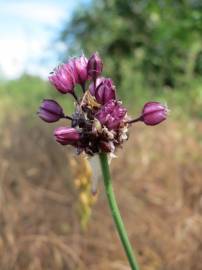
[153,51]
[157,179]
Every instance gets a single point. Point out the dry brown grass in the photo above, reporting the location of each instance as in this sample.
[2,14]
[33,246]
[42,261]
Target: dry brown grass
[157,179]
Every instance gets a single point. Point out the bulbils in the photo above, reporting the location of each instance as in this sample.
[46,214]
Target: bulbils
[112,114]
[62,78]
[103,90]
[50,111]
[65,135]
[154,113]
[94,66]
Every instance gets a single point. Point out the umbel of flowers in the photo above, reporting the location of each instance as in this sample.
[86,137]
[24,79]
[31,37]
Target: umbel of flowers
[99,122]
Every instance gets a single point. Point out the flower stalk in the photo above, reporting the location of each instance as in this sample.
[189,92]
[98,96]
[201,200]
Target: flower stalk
[115,212]
[99,124]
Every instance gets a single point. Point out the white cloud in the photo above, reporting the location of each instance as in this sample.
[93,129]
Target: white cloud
[39,12]
[17,56]
[25,37]
[12,56]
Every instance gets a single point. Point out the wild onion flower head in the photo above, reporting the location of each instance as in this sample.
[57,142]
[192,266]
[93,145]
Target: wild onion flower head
[99,122]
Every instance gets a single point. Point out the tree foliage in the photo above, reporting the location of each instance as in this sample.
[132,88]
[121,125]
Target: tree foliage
[155,42]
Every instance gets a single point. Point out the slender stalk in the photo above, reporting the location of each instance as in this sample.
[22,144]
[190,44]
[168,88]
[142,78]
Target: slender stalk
[68,117]
[135,120]
[83,86]
[115,212]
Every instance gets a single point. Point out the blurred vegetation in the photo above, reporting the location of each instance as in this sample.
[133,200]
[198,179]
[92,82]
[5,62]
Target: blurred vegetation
[160,41]
[25,94]
[151,49]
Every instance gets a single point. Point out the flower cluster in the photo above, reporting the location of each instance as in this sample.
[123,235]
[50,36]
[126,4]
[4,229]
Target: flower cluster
[100,122]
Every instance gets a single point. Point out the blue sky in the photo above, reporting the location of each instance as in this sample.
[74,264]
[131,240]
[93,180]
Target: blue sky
[26,31]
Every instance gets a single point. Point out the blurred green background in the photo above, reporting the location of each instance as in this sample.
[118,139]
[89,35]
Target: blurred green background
[153,51]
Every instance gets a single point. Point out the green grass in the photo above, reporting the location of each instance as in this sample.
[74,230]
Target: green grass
[25,95]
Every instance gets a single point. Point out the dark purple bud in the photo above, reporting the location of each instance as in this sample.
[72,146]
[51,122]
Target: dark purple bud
[66,135]
[94,66]
[112,114]
[79,68]
[62,79]
[50,111]
[154,113]
[104,90]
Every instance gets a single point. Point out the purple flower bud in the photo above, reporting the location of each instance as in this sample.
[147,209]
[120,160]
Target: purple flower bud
[65,135]
[62,79]
[104,90]
[79,68]
[50,111]
[112,114]
[154,113]
[94,66]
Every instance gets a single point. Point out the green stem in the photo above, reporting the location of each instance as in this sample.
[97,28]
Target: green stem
[115,212]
